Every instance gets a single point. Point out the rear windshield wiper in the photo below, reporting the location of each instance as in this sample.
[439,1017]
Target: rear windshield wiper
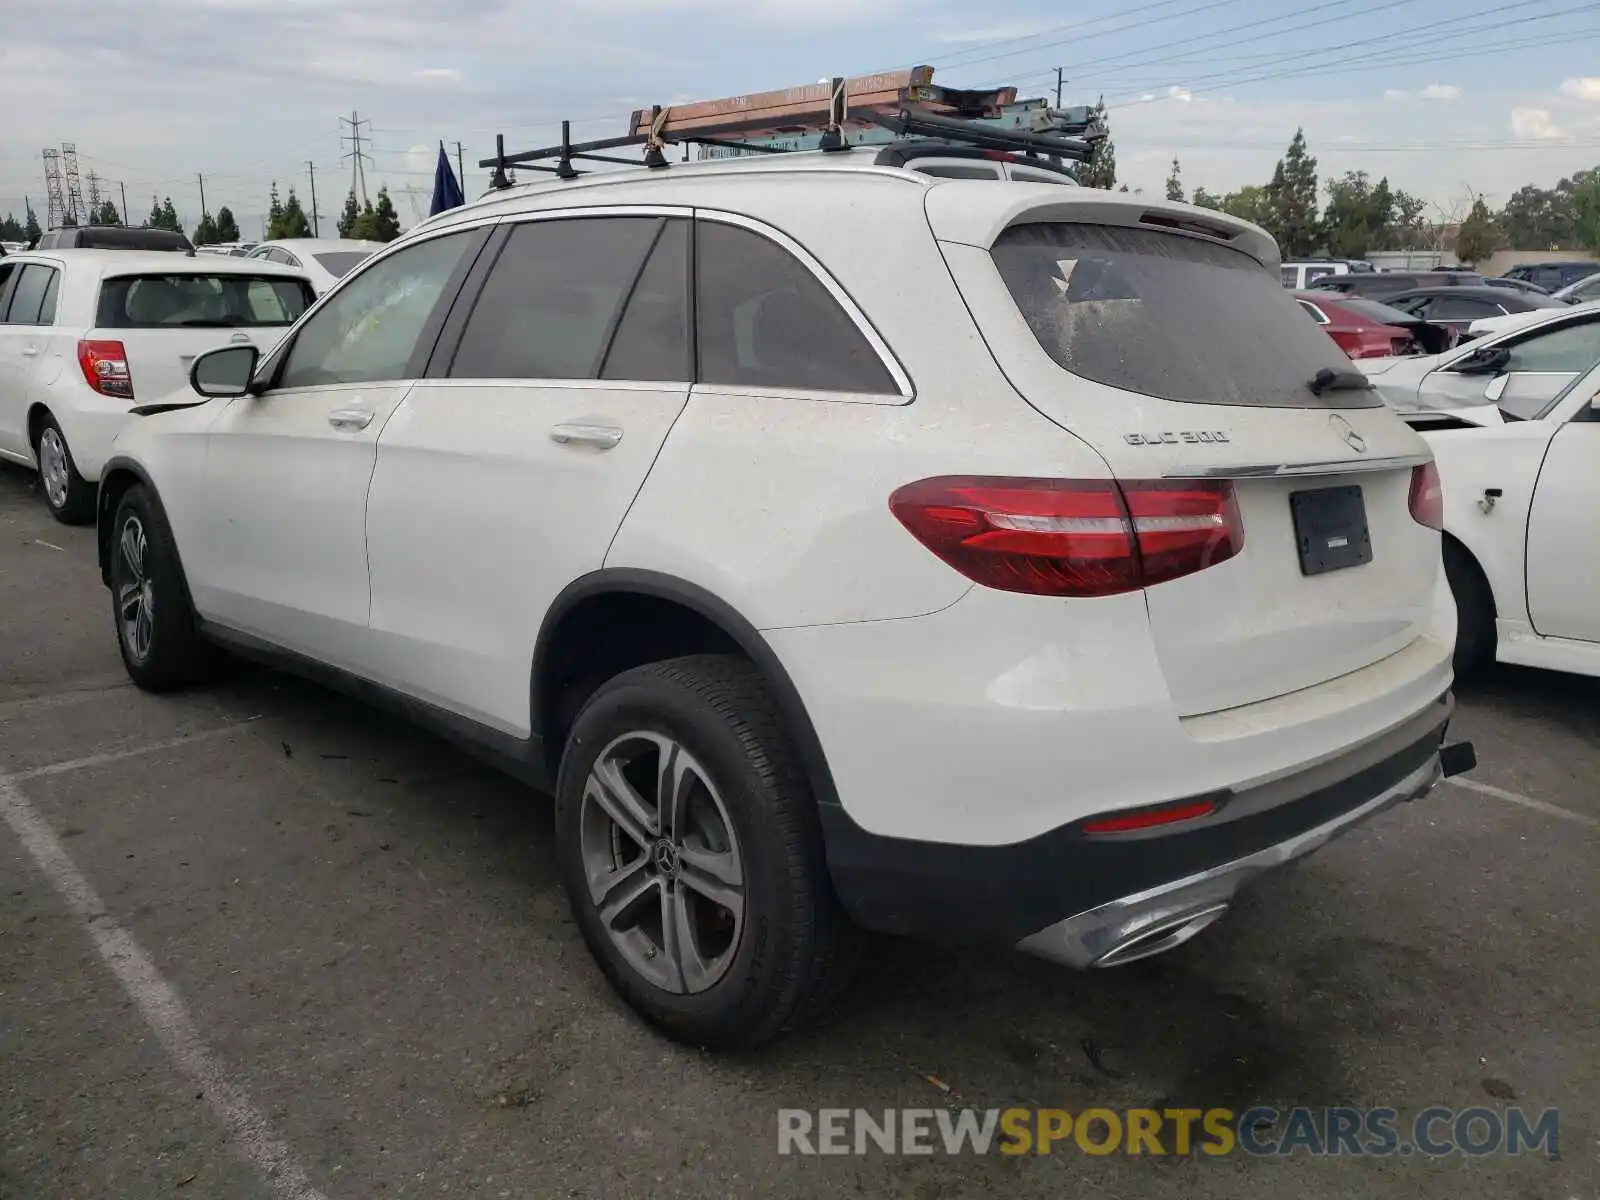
[1329,380]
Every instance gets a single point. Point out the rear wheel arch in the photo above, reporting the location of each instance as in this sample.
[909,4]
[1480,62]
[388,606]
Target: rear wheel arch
[1476,606]
[654,616]
[37,412]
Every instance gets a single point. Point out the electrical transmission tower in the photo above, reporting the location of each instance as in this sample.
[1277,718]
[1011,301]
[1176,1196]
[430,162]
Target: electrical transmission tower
[55,192]
[94,198]
[357,157]
[69,157]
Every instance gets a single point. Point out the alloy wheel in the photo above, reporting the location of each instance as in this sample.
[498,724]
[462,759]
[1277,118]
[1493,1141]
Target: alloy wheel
[135,596]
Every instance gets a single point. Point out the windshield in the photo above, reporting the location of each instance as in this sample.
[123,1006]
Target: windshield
[1169,316]
[339,263]
[200,301]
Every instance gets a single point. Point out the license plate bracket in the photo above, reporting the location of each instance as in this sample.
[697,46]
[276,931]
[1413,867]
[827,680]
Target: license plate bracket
[1330,529]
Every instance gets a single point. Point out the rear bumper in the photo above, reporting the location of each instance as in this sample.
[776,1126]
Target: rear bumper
[1100,900]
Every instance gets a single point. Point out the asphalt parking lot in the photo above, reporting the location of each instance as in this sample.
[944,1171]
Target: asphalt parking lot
[258,941]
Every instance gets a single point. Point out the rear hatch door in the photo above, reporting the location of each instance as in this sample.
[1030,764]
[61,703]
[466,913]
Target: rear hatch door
[1178,355]
[165,318]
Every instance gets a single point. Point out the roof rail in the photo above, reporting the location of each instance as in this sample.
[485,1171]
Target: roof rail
[830,116]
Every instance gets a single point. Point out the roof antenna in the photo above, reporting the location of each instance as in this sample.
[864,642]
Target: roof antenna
[498,181]
[838,113]
[564,168]
[653,157]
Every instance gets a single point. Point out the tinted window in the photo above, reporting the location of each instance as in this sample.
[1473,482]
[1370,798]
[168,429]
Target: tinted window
[652,340]
[340,263]
[958,171]
[1461,308]
[47,307]
[1587,289]
[1168,316]
[764,320]
[1372,310]
[201,301]
[7,271]
[1315,313]
[553,298]
[369,329]
[1573,348]
[28,296]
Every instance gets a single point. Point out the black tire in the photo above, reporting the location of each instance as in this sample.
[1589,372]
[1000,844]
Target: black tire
[1475,611]
[786,962]
[172,654]
[73,501]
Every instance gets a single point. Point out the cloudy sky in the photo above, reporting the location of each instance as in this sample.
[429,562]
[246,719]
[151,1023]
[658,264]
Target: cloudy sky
[1444,98]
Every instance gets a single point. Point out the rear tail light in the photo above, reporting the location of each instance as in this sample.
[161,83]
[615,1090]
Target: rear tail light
[1427,496]
[1063,537]
[1152,818]
[105,368]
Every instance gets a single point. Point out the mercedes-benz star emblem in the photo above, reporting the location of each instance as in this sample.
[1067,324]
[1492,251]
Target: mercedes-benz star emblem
[1347,431]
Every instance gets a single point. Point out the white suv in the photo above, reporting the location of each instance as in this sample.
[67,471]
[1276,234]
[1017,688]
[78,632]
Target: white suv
[973,560]
[86,335]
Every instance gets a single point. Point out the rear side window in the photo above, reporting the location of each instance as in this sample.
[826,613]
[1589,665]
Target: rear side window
[764,320]
[338,263]
[33,294]
[554,297]
[1167,315]
[652,339]
[201,301]
[1462,308]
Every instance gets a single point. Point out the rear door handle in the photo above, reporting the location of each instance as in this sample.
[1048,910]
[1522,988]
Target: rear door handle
[350,418]
[603,436]
[30,351]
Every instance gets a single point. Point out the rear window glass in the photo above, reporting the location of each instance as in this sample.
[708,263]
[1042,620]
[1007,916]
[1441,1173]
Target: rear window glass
[1169,316]
[339,263]
[201,301]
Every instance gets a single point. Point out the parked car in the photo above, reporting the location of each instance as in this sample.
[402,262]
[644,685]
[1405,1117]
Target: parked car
[1458,307]
[1380,285]
[1583,291]
[324,260]
[1519,320]
[1515,373]
[1367,329]
[1008,562]
[85,335]
[113,237]
[1513,284]
[1553,276]
[1520,547]
[1300,275]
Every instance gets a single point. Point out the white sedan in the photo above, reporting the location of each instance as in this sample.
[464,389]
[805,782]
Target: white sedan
[1520,547]
[1514,372]
[325,261]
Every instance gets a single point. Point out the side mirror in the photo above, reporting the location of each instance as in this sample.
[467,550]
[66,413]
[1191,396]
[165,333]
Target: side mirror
[1490,360]
[225,372]
[1496,388]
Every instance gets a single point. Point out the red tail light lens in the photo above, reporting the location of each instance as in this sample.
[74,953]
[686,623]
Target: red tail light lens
[1063,537]
[105,368]
[1152,818]
[1427,496]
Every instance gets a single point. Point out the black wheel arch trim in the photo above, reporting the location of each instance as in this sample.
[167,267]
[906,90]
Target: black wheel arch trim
[632,581]
[103,513]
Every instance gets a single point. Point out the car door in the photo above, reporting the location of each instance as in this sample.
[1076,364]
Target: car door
[283,555]
[13,381]
[1563,552]
[506,473]
[28,310]
[1540,364]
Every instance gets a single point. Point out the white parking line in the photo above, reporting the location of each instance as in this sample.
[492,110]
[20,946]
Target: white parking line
[158,1002]
[1544,806]
[111,756]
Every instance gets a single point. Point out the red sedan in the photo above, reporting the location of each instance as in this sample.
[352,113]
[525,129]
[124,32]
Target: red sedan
[1362,328]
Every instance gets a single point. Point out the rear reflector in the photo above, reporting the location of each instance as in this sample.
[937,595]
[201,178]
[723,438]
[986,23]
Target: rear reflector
[105,368]
[1427,496]
[1065,537]
[1151,818]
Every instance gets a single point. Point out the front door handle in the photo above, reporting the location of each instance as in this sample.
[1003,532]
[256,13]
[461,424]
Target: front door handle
[30,351]
[350,418]
[603,436]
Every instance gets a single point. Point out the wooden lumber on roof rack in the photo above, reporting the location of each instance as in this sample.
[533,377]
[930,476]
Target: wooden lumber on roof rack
[808,107]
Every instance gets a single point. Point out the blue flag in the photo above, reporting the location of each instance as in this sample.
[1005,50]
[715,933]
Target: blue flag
[446,190]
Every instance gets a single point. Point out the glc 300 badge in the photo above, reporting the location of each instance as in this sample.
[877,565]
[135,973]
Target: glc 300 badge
[1171,438]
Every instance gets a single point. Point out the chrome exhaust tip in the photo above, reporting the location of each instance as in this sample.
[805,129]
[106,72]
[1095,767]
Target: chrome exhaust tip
[1160,937]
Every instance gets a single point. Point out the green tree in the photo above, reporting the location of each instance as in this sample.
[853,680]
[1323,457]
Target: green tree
[11,230]
[1358,215]
[1101,169]
[1205,199]
[1585,201]
[107,214]
[169,217]
[1409,227]
[350,216]
[1537,218]
[274,211]
[1249,203]
[385,221]
[227,227]
[31,228]
[1292,201]
[153,221]
[290,221]
[205,233]
[1476,239]
[1175,182]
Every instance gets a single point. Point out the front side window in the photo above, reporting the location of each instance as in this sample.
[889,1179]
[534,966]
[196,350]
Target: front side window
[1574,348]
[369,329]
[34,287]
[222,301]
[553,300]
[340,263]
[764,320]
[1167,315]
